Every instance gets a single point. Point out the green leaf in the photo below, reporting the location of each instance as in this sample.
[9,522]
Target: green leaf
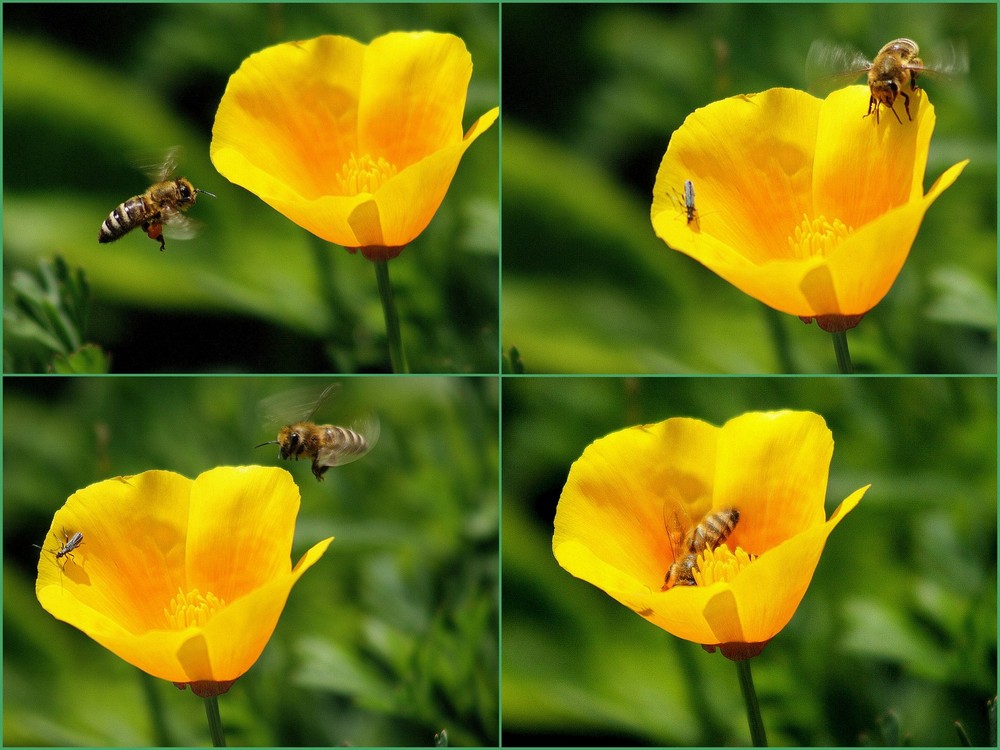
[90,359]
[48,316]
[960,298]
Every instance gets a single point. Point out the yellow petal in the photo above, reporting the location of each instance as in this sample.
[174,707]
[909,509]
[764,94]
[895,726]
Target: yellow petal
[750,159]
[413,95]
[259,510]
[618,515]
[773,466]
[266,135]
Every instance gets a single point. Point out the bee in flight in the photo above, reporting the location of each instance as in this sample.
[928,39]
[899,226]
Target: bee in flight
[893,71]
[326,444]
[160,205]
[687,541]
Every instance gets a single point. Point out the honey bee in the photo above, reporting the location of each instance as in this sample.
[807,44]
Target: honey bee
[893,71]
[160,205]
[713,530]
[326,444]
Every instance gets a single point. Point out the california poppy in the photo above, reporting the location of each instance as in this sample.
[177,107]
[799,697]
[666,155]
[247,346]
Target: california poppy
[803,203]
[357,143]
[184,579]
[612,521]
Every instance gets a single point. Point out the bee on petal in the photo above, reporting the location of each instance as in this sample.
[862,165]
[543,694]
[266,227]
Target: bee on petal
[891,75]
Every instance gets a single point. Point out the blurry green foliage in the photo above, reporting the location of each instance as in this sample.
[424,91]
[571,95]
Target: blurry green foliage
[512,362]
[391,637]
[253,292]
[592,94]
[888,733]
[45,325]
[901,615]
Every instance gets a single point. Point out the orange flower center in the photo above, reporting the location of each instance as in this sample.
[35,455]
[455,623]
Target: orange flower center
[364,175]
[192,609]
[816,237]
[720,564]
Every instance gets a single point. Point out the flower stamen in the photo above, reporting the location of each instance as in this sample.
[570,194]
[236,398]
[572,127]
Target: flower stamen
[720,564]
[817,237]
[364,175]
[192,609]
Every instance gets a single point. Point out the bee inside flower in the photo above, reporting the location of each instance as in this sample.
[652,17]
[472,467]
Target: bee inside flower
[711,533]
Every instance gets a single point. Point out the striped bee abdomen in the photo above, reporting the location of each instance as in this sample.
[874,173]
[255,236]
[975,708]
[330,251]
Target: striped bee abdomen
[126,217]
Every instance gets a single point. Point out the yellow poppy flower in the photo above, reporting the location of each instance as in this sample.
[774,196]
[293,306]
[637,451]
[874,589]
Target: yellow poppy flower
[355,143]
[805,204]
[184,579]
[615,516]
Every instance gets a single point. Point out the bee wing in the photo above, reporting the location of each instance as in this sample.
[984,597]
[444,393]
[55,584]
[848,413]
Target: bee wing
[830,66]
[368,427]
[949,59]
[677,522]
[295,405]
[178,226]
[162,169]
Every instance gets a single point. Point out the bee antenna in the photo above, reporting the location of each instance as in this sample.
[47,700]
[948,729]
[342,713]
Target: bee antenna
[199,190]
[269,442]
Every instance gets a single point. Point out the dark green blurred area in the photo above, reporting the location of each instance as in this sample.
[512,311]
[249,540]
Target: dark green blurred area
[93,91]
[901,614]
[592,94]
[389,639]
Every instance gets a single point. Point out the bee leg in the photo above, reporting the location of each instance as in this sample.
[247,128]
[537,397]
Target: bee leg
[873,105]
[319,470]
[154,232]
[906,105]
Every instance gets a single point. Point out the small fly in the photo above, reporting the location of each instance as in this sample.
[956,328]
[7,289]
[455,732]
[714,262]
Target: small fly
[686,203]
[67,546]
[692,212]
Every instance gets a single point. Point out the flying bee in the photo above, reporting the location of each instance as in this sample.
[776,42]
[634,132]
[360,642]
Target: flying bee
[893,71]
[161,205]
[687,542]
[326,444]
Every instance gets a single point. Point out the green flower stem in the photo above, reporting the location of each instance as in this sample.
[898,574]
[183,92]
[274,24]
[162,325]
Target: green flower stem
[215,721]
[757,734]
[396,354]
[843,353]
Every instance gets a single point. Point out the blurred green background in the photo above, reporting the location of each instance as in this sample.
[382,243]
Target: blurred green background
[93,91]
[901,615]
[592,94]
[388,639]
